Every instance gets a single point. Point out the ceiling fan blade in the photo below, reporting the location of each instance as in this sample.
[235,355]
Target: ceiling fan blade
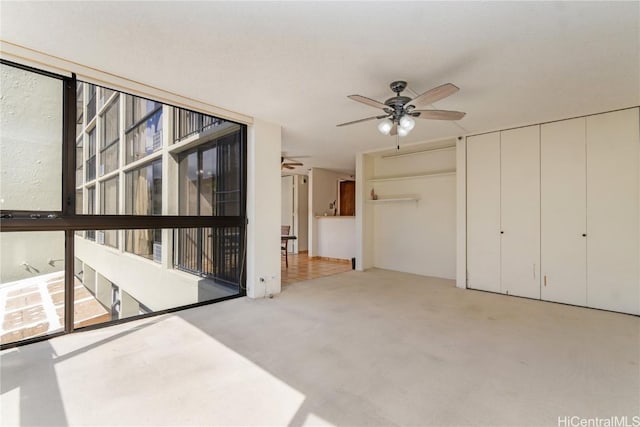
[362,120]
[294,164]
[439,114]
[433,95]
[394,130]
[286,166]
[370,102]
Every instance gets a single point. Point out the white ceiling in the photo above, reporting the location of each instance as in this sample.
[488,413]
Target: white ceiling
[294,63]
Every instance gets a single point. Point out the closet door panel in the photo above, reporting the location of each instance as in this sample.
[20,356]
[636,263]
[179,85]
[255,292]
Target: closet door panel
[563,211]
[483,212]
[520,211]
[612,211]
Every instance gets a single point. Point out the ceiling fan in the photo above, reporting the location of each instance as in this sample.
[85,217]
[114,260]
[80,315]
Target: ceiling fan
[287,163]
[399,110]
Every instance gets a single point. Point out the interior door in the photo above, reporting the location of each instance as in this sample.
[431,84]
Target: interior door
[563,211]
[520,211]
[347,198]
[612,211]
[483,212]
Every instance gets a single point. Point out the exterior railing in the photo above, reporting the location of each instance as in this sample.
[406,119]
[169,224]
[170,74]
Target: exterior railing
[210,252]
[188,123]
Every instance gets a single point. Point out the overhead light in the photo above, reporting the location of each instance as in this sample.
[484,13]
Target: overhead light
[385,126]
[407,123]
[402,131]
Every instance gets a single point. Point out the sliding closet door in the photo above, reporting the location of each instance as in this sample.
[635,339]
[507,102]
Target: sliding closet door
[483,212]
[612,211]
[520,213]
[563,211]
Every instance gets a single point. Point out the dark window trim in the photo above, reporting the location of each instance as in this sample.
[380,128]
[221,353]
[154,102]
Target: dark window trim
[66,219]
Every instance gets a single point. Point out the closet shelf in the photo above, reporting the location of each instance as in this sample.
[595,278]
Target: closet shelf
[404,177]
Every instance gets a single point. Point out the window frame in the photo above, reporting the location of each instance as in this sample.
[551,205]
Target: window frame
[104,144]
[70,222]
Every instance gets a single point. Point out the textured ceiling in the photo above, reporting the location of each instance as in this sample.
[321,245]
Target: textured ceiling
[294,63]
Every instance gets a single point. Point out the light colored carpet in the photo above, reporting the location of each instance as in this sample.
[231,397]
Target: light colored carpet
[374,348]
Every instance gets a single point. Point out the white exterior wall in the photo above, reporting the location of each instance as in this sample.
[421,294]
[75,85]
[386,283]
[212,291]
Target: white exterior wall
[30,177]
[147,281]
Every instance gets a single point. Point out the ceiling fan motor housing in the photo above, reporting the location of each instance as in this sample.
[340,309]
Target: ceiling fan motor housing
[397,103]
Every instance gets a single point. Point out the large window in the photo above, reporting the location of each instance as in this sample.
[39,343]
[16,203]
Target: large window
[91,103]
[144,197]
[79,108]
[91,209]
[143,127]
[110,138]
[91,155]
[107,208]
[210,178]
[79,161]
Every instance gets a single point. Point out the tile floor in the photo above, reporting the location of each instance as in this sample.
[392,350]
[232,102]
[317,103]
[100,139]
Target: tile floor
[301,268]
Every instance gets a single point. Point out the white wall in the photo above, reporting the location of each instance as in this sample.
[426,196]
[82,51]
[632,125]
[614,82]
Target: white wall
[336,237]
[418,237]
[287,208]
[323,190]
[461,215]
[301,190]
[365,214]
[263,208]
[415,237]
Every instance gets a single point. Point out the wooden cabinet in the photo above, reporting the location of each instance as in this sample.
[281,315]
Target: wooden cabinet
[520,211]
[483,212]
[563,211]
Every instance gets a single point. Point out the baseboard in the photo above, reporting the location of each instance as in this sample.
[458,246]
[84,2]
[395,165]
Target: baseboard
[324,258]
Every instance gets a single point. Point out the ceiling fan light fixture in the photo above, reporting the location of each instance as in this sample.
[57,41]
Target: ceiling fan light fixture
[407,123]
[402,131]
[385,126]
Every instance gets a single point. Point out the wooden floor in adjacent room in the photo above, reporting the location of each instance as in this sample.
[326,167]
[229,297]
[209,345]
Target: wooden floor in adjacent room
[301,267]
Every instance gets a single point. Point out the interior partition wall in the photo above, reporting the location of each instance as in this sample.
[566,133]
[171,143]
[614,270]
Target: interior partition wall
[90,199]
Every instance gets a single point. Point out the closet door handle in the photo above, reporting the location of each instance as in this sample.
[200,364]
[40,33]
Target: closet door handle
[534,271]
